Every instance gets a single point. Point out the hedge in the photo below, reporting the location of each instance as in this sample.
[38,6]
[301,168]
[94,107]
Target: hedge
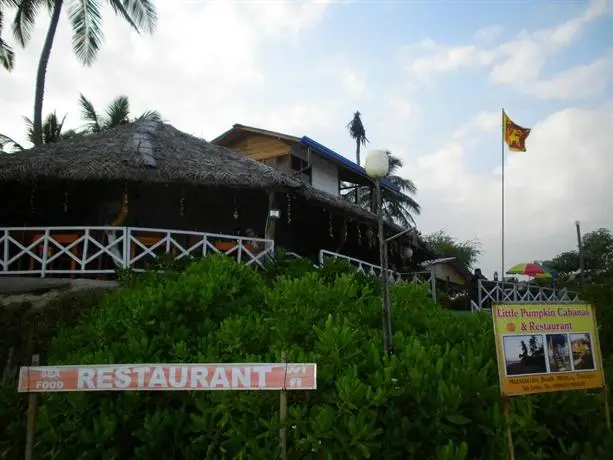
[436,398]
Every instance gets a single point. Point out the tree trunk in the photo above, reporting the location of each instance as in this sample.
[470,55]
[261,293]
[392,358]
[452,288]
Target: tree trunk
[42,73]
[357,151]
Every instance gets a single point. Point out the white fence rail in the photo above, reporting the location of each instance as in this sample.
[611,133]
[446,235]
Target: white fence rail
[375,270]
[100,250]
[497,291]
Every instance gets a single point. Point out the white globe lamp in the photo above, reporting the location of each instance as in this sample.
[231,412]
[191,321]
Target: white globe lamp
[377,164]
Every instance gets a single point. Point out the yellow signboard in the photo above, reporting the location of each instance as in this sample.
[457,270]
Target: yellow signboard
[542,348]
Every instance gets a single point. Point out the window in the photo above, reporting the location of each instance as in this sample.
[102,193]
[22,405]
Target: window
[298,164]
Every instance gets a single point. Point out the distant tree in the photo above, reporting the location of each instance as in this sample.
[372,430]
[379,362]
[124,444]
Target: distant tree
[117,113]
[597,253]
[357,133]
[465,252]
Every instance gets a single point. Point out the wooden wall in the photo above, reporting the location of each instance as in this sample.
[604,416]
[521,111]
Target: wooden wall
[260,147]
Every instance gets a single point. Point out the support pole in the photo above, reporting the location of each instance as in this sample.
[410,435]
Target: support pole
[385,306]
[31,421]
[283,413]
[506,418]
[581,255]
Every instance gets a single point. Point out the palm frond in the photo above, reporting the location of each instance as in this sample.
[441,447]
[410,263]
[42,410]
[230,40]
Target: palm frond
[8,142]
[7,55]
[149,115]
[29,128]
[88,113]
[87,33]
[140,14]
[117,112]
[24,19]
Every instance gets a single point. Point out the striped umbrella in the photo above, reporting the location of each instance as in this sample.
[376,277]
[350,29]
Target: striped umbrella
[529,269]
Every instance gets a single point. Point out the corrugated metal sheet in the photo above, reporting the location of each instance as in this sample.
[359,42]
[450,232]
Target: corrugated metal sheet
[341,160]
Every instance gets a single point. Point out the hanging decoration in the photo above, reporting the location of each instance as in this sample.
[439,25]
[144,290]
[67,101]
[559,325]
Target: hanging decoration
[65,201]
[289,209]
[33,199]
[359,235]
[236,215]
[182,206]
[345,231]
[331,231]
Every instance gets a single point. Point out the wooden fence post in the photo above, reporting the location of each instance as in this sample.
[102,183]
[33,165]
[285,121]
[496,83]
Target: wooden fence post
[31,416]
[283,412]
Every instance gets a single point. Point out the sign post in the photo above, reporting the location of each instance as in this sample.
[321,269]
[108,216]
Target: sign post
[543,348]
[166,377]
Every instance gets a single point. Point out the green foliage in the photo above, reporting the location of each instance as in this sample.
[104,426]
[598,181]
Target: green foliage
[437,397]
[465,252]
[597,253]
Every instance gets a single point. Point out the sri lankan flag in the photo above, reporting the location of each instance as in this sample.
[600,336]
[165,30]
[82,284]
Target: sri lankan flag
[514,135]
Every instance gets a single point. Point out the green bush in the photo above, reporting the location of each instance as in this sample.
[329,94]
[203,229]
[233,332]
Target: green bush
[437,397]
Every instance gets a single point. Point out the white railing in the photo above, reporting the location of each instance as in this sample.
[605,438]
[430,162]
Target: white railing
[497,291]
[375,270]
[100,250]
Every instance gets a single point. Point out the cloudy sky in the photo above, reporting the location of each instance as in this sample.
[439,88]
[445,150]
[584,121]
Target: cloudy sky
[429,77]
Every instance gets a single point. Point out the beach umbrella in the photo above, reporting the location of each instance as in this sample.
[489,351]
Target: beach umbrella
[529,269]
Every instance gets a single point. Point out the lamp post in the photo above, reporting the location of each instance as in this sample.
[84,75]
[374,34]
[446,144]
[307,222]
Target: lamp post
[377,167]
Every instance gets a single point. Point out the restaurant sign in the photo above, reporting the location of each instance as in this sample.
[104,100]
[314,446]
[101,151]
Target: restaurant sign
[544,348]
[168,377]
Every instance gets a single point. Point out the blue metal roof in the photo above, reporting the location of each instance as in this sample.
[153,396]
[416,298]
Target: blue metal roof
[339,159]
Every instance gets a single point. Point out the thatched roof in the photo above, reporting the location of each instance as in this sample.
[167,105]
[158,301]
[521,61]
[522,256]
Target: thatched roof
[142,151]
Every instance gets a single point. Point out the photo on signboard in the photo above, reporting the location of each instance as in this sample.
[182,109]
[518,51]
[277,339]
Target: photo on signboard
[583,356]
[558,352]
[524,354]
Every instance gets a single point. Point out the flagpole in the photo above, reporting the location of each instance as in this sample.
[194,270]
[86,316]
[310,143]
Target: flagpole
[502,207]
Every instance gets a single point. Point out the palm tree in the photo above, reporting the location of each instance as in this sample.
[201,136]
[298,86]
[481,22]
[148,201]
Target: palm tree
[52,132]
[7,55]
[87,36]
[398,207]
[357,133]
[117,113]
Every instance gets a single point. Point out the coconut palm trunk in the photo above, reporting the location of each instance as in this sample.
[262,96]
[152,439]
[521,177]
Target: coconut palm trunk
[41,75]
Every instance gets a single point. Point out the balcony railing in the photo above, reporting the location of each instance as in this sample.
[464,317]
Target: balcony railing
[375,270]
[490,292]
[101,250]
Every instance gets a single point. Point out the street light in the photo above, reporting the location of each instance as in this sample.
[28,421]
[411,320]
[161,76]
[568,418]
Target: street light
[377,166]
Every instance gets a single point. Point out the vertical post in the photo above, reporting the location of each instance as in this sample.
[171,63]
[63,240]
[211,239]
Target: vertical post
[581,255]
[271,224]
[502,204]
[283,413]
[607,408]
[385,307]
[433,282]
[505,416]
[31,421]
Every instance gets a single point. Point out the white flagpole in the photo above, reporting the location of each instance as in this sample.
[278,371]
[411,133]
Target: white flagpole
[502,207]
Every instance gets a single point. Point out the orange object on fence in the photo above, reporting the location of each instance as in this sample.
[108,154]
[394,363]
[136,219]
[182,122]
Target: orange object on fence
[168,377]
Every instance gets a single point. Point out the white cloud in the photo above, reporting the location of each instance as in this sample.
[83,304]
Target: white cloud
[352,83]
[441,58]
[482,122]
[520,62]
[488,33]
